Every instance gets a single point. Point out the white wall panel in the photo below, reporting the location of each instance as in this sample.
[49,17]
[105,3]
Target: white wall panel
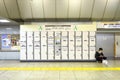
[111,9]
[86,8]
[49,8]
[37,9]
[62,8]
[25,8]
[98,9]
[74,8]
[12,8]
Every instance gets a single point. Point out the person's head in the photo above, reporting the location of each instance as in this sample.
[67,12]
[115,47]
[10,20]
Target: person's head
[100,50]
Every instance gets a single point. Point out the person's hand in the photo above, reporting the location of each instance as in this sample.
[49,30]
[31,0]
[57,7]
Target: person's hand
[101,56]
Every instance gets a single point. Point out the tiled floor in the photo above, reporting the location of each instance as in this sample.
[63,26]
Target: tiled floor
[59,74]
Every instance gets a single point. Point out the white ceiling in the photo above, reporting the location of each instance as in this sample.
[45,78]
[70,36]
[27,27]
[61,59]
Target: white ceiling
[60,9]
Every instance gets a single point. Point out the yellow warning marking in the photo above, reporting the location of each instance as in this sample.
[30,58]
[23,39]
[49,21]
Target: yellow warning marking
[59,68]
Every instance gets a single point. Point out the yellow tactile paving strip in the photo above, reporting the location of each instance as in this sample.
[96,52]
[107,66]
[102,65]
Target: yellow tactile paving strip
[60,68]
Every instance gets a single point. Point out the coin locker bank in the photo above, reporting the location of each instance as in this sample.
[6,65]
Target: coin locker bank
[57,42]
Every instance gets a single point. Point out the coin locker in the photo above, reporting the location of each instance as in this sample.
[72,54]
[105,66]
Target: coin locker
[37,43]
[23,51]
[43,45]
[85,45]
[57,45]
[30,51]
[92,53]
[50,45]
[71,46]
[78,45]
[64,45]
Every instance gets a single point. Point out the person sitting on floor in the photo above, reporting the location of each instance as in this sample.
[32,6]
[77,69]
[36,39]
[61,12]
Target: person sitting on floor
[100,56]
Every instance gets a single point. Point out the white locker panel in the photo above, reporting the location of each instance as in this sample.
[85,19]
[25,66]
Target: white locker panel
[92,53]
[85,33]
[43,45]
[64,45]
[78,39]
[64,42]
[64,39]
[85,38]
[85,53]
[92,33]
[23,46]
[57,45]
[78,53]
[50,53]
[92,41]
[71,39]
[78,42]
[36,45]
[71,45]
[85,56]
[50,45]
[30,45]
[78,33]
[64,53]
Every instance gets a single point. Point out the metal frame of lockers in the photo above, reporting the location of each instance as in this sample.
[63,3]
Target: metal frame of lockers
[57,45]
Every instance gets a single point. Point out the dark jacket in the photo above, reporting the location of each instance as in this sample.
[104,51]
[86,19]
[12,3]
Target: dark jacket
[97,55]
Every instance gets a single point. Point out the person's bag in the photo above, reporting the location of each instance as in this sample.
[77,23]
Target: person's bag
[105,62]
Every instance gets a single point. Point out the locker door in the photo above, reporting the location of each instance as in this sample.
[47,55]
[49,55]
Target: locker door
[50,45]
[92,33]
[78,45]
[85,53]
[92,39]
[85,38]
[23,46]
[71,45]
[78,39]
[29,45]
[78,53]
[37,45]
[85,45]
[92,45]
[64,45]
[57,45]
[92,53]
[43,45]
